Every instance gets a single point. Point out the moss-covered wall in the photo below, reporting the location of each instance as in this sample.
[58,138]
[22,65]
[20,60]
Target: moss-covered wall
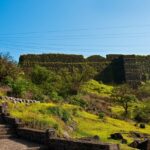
[137,68]
[107,68]
[50,58]
[112,69]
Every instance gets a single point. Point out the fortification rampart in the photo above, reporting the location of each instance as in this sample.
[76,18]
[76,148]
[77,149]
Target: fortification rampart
[115,68]
[137,68]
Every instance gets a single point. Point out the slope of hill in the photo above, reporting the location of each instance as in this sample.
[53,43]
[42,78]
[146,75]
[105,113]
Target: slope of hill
[71,121]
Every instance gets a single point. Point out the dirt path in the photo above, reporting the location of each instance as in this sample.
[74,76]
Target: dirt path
[17,144]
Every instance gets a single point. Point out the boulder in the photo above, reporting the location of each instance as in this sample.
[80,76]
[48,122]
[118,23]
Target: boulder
[124,141]
[136,134]
[94,138]
[142,125]
[66,135]
[116,136]
[142,145]
[135,143]
[145,145]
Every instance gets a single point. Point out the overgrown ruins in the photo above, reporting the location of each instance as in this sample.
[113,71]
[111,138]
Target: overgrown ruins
[132,69]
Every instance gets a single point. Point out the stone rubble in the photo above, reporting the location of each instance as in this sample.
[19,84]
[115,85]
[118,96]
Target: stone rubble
[18,100]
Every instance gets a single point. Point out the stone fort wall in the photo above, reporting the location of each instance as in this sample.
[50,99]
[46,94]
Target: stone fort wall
[136,68]
[114,68]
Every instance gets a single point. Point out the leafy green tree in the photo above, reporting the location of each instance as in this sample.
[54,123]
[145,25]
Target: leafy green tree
[77,100]
[123,95]
[39,74]
[73,79]
[47,81]
[19,86]
[8,67]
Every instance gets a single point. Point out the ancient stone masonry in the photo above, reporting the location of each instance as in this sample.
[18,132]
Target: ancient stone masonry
[18,100]
[137,68]
[114,68]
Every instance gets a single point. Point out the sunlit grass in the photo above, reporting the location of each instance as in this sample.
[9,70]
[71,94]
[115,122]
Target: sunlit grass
[46,115]
[94,87]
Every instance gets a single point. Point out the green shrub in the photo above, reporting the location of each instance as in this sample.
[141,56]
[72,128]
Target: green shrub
[77,100]
[57,111]
[19,86]
[8,68]
[144,90]
[65,116]
[142,114]
[101,115]
[55,97]
[56,126]
[39,75]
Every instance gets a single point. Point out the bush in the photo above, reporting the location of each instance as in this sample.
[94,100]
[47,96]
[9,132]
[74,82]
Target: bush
[24,88]
[8,67]
[56,110]
[19,86]
[144,90]
[142,114]
[39,75]
[55,97]
[77,100]
[101,115]
[65,116]
[142,125]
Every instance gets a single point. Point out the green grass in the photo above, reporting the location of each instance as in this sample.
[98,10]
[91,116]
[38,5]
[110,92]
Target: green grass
[97,88]
[118,110]
[2,93]
[45,115]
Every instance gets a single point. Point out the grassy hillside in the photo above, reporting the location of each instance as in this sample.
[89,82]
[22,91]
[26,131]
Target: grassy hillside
[72,121]
[78,103]
[98,88]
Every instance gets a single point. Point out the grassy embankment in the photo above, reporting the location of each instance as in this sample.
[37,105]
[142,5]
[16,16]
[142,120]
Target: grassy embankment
[73,121]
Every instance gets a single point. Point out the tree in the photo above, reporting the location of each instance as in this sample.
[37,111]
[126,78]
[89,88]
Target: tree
[47,81]
[19,86]
[123,95]
[39,74]
[8,67]
[73,79]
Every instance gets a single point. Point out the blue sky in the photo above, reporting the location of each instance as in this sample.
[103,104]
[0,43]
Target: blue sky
[75,26]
